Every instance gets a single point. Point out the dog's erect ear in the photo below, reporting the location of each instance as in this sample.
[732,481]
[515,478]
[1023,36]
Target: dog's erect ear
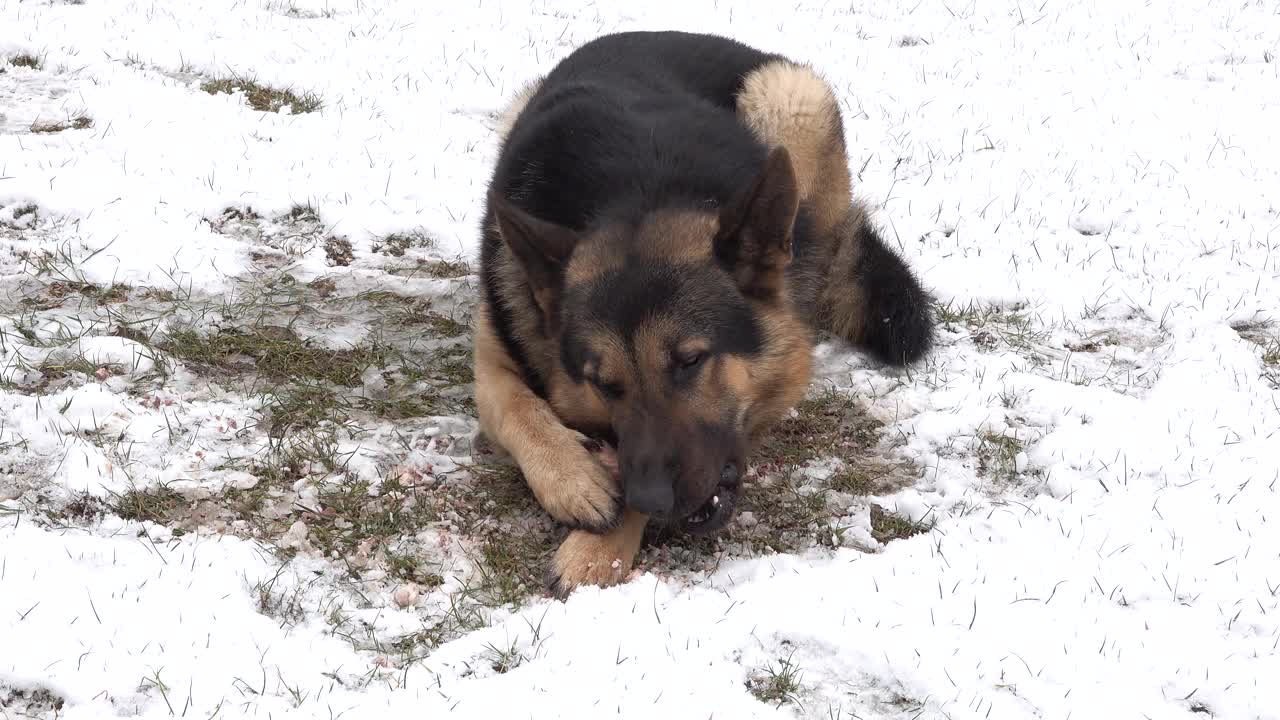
[542,248]
[754,241]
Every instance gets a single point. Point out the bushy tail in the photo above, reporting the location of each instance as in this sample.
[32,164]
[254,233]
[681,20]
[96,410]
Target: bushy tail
[873,299]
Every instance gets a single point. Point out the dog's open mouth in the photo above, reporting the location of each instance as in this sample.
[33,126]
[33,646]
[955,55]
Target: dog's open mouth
[716,512]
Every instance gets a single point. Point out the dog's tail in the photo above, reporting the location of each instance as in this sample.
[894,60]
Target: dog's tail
[872,298]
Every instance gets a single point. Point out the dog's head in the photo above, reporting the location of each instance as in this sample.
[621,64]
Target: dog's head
[679,321]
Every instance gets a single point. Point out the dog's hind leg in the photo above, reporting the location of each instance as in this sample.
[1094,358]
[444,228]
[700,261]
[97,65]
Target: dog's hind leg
[788,104]
[556,461]
[869,297]
[516,105]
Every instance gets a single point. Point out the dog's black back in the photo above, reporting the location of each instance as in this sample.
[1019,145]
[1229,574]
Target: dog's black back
[633,122]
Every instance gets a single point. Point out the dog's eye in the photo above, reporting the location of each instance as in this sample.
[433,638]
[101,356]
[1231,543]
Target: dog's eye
[687,365]
[610,390]
[690,361]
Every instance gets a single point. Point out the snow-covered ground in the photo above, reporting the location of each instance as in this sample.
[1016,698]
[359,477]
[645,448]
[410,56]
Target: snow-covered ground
[190,526]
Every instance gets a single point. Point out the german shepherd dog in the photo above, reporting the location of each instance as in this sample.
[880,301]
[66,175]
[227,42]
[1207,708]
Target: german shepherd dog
[668,230]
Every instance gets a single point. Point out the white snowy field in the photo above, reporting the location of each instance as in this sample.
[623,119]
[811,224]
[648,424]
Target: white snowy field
[237,476]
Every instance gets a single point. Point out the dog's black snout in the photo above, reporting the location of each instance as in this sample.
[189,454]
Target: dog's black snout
[650,483]
[729,473]
[651,498]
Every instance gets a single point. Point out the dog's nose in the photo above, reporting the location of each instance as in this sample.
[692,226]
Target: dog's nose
[650,498]
[729,474]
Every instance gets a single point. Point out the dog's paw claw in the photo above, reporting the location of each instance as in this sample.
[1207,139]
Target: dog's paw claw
[586,559]
[555,584]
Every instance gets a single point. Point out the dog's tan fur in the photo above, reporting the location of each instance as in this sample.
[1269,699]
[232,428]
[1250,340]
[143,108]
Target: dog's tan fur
[515,106]
[789,104]
[785,104]
[603,559]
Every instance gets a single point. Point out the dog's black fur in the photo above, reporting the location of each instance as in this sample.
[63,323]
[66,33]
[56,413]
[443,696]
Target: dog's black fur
[628,131]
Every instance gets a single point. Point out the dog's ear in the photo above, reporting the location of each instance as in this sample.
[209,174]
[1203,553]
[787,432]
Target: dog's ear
[542,248]
[754,240]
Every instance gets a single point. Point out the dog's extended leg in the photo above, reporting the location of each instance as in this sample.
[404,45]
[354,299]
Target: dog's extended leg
[586,558]
[556,461]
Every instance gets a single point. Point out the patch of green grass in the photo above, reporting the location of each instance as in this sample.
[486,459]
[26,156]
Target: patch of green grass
[56,293]
[406,402]
[462,616]
[160,504]
[998,456]
[955,314]
[411,312]
[264,98]
[338,251]
[1271,354]
[991,325]
[504,659]
[888,526]
[511,567]
[349,516]
[1271,363]
[436,269]
[30,703]
[777,683]
[26,60]
[351,511]
[870,476]
[1094,342]
[1260,333]
[792,514]
[305,382]
[513,550]
[57,369]
[300,212]
[852,480]
[397,244]
[46,127]
[23,215]
[824,425]
[276,353]
[444,269]
[405,566]
[450,365]
[443,326]
[84,508]
[284,605]
[291,408]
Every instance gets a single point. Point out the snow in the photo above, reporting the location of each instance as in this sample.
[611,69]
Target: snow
[1098,176]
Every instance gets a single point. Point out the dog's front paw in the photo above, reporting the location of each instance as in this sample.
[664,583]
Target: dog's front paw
[579,484]
[586,558]
[606,559]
